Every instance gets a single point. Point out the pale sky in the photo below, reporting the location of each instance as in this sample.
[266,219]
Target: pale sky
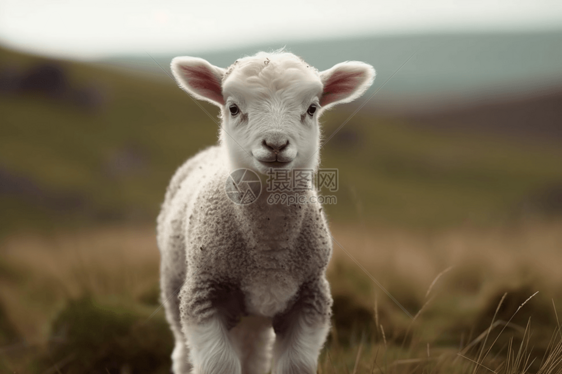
[92,29]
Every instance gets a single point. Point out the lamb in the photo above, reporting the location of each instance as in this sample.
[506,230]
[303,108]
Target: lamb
[243,284]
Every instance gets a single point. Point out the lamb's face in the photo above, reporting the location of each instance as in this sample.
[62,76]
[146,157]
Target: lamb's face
[270,115]
[270,104]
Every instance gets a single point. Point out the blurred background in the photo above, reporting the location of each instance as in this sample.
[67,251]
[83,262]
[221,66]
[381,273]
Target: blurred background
[450,169]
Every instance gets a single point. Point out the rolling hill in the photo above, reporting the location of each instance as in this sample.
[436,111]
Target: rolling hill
[98,145]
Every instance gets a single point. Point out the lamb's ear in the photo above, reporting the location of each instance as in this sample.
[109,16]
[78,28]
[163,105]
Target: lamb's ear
[345,82]
[199,78]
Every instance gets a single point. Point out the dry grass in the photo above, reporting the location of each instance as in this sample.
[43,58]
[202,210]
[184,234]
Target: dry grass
[47,270]
[450,282]
[477,262]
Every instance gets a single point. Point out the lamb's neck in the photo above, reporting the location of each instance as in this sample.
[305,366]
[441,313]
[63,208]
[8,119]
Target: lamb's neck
[272,226]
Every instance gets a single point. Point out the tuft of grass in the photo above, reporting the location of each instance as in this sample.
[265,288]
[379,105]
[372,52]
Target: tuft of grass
[49,269]
[93,336]
[7,331]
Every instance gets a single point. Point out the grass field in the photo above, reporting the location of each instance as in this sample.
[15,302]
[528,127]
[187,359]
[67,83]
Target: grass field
[449,282]
[445,222]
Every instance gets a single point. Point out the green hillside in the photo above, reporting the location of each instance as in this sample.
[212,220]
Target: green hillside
[396,172]
[62,164]
[85,154]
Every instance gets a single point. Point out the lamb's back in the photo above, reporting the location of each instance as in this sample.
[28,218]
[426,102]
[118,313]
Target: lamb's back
[193,177]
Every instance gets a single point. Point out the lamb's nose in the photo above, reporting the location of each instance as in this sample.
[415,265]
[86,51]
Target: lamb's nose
[276,145]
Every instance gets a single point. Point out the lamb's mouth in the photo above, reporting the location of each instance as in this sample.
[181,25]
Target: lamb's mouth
[275,164]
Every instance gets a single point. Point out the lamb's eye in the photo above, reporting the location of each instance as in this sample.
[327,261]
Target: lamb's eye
[234,110]
[311,110]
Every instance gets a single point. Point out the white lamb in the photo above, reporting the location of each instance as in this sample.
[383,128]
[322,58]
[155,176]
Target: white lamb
[237,277]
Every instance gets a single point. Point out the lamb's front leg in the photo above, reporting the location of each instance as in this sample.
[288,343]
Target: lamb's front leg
[208,311]
[301,332]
